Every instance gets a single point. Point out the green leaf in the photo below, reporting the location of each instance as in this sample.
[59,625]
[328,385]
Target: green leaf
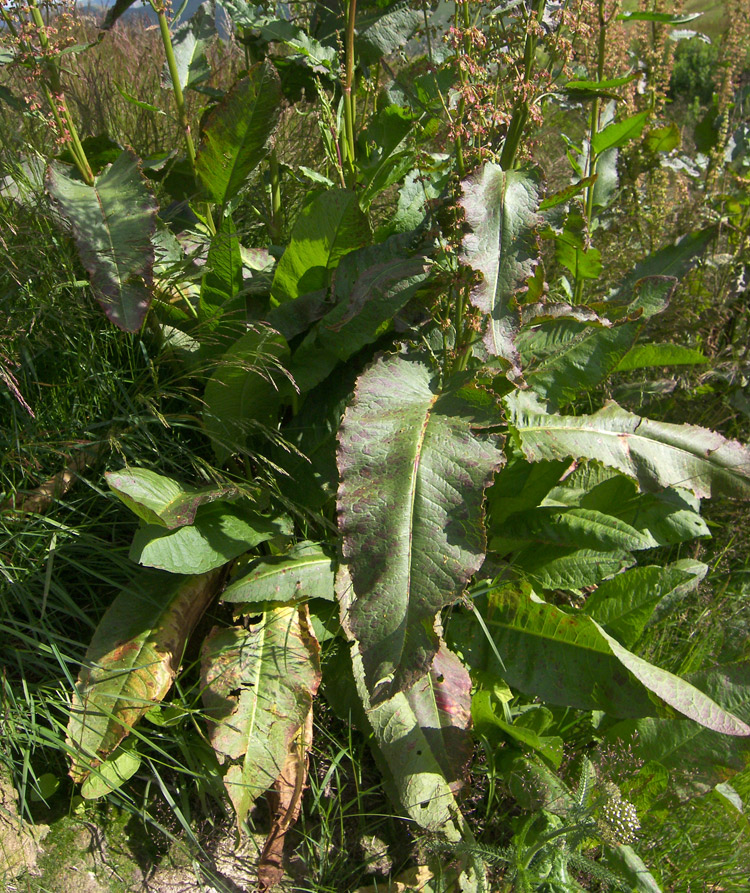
[321,59]
[564,358]
[619,134]
[664,18]
[568,567]
[415,735]
[567,659]
[414,464]
[258,686]
[387,158]
[327,228]
[625,604]
[115,11]
[189,42]
[501,210]
[587,89]
[697,758]
[158,499]
[238,132]
[672,260]
[244,392]
[112,223]
[629,866]
[306,571]
[381,33]
[121,765]
[421,186]
[581,527]
[222,279]
[220,532]
[486,721]
[663,139]
[132,660]
[372,285]
[646,356]
[572,252]
[656,454]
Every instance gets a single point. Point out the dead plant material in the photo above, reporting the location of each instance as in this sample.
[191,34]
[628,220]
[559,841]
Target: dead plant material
[38,500]
[285,801]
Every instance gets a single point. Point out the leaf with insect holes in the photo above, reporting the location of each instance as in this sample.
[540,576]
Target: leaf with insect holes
[258,685]
[112,223]
[132,660]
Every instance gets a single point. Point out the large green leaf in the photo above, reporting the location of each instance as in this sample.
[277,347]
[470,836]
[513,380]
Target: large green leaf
[245,390]
[258,686]
[501,209]
[327,228]
[159,499]
[112,223]
[646,356]
[567,659]
[580,527]
[306,571]
[132,660]
[189,42]
[417,760]
[619,134]
[237,133]
[672,260]
[414,465]
[380,32]
[664,518]
[219,533]
[656,454]
[697,758]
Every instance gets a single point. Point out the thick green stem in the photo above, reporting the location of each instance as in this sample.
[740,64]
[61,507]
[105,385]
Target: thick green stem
[348,89]
[179,100]
[56,98]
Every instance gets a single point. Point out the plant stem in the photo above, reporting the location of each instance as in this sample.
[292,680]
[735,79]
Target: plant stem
[179,100]
[592,159]
[275,223]
[521,111]
[57,102]
[348,89]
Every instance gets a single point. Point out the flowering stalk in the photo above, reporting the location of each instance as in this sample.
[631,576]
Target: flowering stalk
[521,111]
[53,92]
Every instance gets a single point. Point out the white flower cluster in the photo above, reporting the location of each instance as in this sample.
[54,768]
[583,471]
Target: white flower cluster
[618,818]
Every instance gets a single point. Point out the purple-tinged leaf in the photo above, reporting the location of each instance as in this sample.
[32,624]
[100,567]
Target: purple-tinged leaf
[501,209]
[414,464]
[112,223]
